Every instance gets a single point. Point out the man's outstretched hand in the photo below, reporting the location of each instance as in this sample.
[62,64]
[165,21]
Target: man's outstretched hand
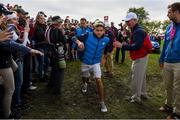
[117,44]
[5,35]
[37,52]
[81,46]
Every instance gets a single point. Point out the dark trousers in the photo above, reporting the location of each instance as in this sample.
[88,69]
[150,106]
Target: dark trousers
[43,62]
[122,53]
[18,75]
[34,64]
[57,77]
[27,72]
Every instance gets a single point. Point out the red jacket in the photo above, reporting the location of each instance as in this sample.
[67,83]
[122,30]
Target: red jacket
[143,51]
[140,44]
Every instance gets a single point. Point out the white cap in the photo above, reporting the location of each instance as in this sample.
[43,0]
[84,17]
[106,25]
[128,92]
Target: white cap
[131,16]
[11,16]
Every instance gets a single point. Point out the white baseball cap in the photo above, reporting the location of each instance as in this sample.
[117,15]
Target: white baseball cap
[130,16]
[11,16]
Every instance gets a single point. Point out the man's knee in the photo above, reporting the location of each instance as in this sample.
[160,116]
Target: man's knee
[9,91]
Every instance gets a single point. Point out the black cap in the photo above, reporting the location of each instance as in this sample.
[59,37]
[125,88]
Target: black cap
[20,10]
[4,10]
[41,12]
[56,19]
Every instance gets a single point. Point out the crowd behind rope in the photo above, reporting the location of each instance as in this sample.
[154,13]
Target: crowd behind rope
[42,46]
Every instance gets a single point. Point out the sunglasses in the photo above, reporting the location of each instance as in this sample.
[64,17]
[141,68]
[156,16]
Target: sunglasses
[127,21]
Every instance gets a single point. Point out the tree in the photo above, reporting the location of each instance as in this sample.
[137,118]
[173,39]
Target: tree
[141,13]
[150,26]
[153,27]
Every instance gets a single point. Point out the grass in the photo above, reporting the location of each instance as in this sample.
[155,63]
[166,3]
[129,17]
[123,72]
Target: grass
[73,104]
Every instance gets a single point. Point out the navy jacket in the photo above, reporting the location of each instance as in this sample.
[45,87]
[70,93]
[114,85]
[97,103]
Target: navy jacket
[109,47]
[138,36]
[6,50]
